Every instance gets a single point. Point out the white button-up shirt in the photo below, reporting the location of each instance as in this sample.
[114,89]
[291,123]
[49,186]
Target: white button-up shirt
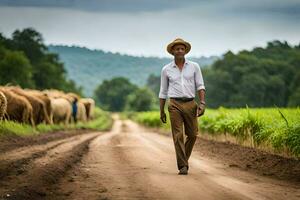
[176,83]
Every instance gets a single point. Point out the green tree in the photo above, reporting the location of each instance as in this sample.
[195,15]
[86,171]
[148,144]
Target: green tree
[253,88]
[46,70]
[262,77]
[295,82]
[142,99]
[112,94]
[219,86]
[275,91]
[15,68]
[294,100]
[153,82]
[30,42]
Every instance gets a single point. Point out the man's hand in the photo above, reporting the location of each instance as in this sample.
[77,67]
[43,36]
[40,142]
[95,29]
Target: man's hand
[163,117]
[200,110]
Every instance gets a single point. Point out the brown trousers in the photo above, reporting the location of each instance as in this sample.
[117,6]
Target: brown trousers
[183,114]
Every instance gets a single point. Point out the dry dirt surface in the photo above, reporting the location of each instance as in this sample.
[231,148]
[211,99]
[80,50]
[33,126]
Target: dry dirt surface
[132,162]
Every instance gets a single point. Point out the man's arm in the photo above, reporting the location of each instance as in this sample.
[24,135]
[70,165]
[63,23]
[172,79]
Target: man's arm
[164,83]
[201,94]
[201,91]
[201,107]
[163,116]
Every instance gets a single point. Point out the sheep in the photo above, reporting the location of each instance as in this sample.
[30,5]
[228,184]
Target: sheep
[62,110]
[46,101]
[3,105]
[72,96]
[81,112]
[89,104]
[57,94]
[39,108]
[18,107]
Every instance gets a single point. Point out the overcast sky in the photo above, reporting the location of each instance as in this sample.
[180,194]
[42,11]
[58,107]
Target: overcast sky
[145,27]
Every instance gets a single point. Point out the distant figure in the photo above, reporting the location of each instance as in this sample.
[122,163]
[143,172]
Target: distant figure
[180,80]
[74,110]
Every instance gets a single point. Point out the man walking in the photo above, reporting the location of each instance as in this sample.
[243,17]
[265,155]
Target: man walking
[180,80]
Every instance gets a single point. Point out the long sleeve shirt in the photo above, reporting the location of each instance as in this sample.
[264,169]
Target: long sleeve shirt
[177,84]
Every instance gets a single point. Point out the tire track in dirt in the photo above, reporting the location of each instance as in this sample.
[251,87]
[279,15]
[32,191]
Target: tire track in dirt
[106,163]
[50,165]
[12,142]
[123,165]
[18,164]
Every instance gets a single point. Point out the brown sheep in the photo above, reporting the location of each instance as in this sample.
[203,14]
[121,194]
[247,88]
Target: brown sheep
[18,108]
[72,96]
[89,104]
[3,105]
[62,110]
[54,94]
[39,108]
[46,100]
[81,112]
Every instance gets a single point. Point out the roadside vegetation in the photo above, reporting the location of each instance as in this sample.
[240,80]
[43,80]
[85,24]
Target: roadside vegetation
[102,121]
[271,129]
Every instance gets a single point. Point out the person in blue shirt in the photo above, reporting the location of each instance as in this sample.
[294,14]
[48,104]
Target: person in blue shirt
[74,110]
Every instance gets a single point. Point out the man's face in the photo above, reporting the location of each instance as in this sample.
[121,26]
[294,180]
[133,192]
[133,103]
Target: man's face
[178,50]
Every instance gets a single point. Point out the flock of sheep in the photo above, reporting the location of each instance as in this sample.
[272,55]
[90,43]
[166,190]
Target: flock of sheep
[47,106]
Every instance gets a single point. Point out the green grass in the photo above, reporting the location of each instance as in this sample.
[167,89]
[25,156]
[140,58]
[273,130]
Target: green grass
[277,129]
[148,118]
[102,122]
[13,128]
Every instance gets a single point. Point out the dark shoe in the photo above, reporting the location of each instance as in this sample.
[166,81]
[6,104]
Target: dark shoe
[183,171]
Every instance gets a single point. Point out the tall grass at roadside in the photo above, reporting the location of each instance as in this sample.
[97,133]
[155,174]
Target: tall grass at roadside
[275,128]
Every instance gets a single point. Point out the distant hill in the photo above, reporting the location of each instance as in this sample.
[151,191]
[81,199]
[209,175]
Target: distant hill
[88,68]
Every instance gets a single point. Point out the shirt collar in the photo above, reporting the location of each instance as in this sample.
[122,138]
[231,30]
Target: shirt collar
[185,63]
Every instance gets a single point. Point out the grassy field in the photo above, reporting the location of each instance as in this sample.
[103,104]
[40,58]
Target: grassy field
[274,129]
[102,121]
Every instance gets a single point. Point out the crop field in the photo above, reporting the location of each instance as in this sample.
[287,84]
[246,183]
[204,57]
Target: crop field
[275,129]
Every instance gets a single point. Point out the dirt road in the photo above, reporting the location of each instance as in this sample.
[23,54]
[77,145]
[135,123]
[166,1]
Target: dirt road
[129,162]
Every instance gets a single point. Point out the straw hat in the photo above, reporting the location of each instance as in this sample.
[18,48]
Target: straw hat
[179,41]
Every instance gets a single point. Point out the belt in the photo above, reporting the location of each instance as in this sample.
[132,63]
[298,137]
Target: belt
[182,99]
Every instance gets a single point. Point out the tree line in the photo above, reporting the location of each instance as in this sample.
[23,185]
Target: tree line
[26,61]
[119,94]
[262,77]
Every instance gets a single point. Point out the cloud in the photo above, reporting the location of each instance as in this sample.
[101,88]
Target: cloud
[264,8]
[141,27]
[240,7]
[104,5]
